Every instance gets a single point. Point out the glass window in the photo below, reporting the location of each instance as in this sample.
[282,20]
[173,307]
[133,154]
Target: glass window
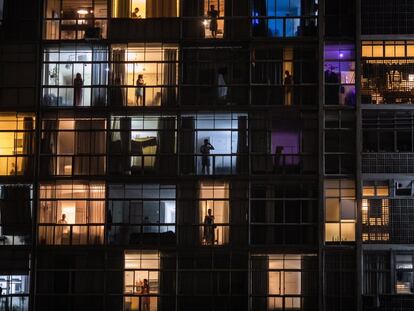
[284,18]
[278,281]
[16,144]
[15,214]
[141,214]
[1,11]
[14,292]
[137,9]
[75,76]
[340,211]
[404,274]
[73,146]
[71,213]
[143,75]
[75,20]
[339,74]
[214,213]
[142,280]
[387,72]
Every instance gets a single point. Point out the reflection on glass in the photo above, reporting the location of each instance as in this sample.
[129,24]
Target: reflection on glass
[14,292]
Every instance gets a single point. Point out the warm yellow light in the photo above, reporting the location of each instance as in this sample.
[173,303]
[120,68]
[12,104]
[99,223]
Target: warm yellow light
[82,11]
[205,22]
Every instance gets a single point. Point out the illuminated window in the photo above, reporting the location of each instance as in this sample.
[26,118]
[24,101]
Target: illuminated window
[15,292]
[143,75]
[16,144]
[214,24]
[73,146]
[141,280]
[283,282]
[71,214]
[340,210]
[375,189]
[404,274]
[75,76]
[72,19]
[138,9]
[214,213]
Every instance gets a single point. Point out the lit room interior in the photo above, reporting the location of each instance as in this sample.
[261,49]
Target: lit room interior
[75,19]
[214,196]
[83,207]
[16,143]
[139,266]
[146,8]
[79,146]
[60,70]
[209,22]
[157,67]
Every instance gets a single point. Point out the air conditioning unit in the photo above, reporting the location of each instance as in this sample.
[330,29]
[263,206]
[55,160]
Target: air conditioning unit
[403,188]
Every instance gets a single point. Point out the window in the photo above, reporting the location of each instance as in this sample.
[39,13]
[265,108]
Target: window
[73,146]
[387,72]
[71,213]
[143,145]
[143,280]
[377,274]
[138,9]
[404,274]
[340,18]
[283,282]
[141,214]
[75,20]
[16,144]
[214,76]
[1,11]
[15,214]
[339,69]
[340,210]
[213,143]
[283,146]
[283,214]
[214,213]
[143,75]
[284,76]
[15,292]
[214,10]
[75,76]
[284,18]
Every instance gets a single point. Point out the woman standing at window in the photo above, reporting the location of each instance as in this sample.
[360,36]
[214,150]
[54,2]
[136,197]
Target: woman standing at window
[139,90]
[78,89]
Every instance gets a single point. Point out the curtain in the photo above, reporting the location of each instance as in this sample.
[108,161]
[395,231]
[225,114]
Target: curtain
[170,77]
[167,282]
[99,76]
[161,8]
[238,212]
[188,213]
[166,158]
[242,162]
[187,145]
[15,210]
[48,147]
[122,9]
[98,147]
[115,148]
[83,147]
[125,126]
[118,77]
[27,145]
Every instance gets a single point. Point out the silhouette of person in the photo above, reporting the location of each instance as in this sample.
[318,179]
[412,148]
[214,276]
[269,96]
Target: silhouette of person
[208,232]
[213,14]
[146,300]
[205,158]
[139,90]
[78,89]
[288,81]
[135,13]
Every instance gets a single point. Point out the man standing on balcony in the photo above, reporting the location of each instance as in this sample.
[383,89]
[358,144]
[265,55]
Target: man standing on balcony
[213,14]
[205,158]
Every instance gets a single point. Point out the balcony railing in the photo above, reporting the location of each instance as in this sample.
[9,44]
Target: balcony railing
[387,162]
[69,234]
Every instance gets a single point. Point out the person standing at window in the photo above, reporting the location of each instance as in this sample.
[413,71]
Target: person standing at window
[146,300]
[208,232]
[135,13]
[205,158]
[213,15]
[287,82]
[221,82]
[62,230]
[139,90]
[78,89]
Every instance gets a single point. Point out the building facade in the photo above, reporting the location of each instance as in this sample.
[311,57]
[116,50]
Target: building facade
[206,155]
